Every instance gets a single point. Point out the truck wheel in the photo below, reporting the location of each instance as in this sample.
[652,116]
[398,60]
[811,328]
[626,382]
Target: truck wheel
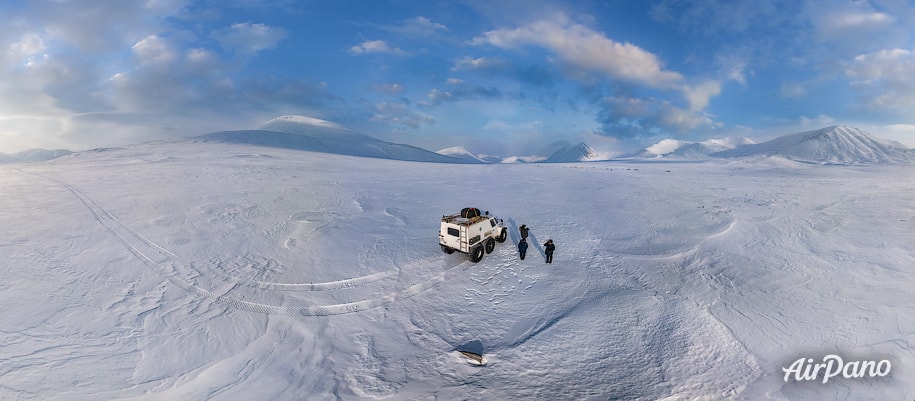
[447,249]
[476,254]
[490,245]
[502,236]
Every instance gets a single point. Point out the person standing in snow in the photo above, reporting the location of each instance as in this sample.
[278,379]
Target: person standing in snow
[523,229]
[548,248]
[522,248]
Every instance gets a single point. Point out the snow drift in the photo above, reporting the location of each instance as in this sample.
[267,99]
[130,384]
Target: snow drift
[831,145]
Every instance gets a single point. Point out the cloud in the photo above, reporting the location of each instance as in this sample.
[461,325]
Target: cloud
[459,90]
[819,121]
[884,80]
[30,44]
[389,89]
[734,67]
[583,48]
[792,90]
[399,114]
[418,27]
[153,50]
[483,64]
[715,17]
[699,96]
[836,22]
[374,46]
[248,38]
[631,118]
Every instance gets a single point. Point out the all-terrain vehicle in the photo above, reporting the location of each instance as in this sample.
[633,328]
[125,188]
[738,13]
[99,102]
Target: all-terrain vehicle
[471,232]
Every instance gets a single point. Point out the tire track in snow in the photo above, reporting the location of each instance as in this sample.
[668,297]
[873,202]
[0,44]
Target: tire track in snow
[168,267]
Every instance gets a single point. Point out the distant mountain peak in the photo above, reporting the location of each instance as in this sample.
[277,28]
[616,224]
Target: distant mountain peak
[837,144]
[573,153]
[460,152]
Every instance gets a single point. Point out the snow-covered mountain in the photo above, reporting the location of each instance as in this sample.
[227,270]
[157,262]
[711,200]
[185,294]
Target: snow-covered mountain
[460,152]
[672,148]
[306,133]
[831,145]
[33,155]
[573,153]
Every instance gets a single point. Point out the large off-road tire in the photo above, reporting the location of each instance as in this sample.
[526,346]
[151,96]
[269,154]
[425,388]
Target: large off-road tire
[476,254]
[447,250]
[502,235]
[490,245]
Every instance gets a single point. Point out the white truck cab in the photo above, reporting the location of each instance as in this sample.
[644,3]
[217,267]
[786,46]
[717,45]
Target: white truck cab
[471,232]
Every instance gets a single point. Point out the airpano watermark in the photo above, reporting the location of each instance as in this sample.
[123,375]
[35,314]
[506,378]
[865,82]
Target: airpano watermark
[832,366]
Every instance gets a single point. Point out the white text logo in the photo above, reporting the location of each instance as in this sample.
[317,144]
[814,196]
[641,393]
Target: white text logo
[832,366]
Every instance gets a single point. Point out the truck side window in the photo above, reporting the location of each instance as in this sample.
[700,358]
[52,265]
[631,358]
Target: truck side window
[454,232]
[493,222]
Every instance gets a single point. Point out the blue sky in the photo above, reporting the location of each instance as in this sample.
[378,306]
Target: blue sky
[498,77]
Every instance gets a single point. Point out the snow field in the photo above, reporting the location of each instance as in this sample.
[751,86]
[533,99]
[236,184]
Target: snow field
[227,272]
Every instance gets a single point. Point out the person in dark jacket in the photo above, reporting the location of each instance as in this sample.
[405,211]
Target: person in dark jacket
[523,229]
[548,248]
[522,248]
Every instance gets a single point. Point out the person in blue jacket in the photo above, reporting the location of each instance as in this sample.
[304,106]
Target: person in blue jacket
[522,248]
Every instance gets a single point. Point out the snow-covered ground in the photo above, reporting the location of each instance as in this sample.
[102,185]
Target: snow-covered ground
[212,271]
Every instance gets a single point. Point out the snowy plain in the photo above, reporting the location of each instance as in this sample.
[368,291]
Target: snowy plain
[224,271]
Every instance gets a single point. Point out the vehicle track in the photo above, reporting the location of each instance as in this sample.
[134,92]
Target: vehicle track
[174,269]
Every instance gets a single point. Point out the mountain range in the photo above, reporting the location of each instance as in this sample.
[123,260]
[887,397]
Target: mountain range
[837,144]
[672,148]
[831,145]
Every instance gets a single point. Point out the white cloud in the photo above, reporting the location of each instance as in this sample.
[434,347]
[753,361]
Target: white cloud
[500,125]
[29,45]
[680,120]
[904,133]
[400,114]
[885,79]
[374,46]
[628,117]
[249,38]
[733,67]
[792,90]
[390,89]
[699,96]
[819,121]
[838,23]
[715,17]
[153,50]
[418,27]
[586,49]
[481,63]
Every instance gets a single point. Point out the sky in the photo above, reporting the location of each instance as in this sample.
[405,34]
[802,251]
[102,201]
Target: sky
[498,77]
